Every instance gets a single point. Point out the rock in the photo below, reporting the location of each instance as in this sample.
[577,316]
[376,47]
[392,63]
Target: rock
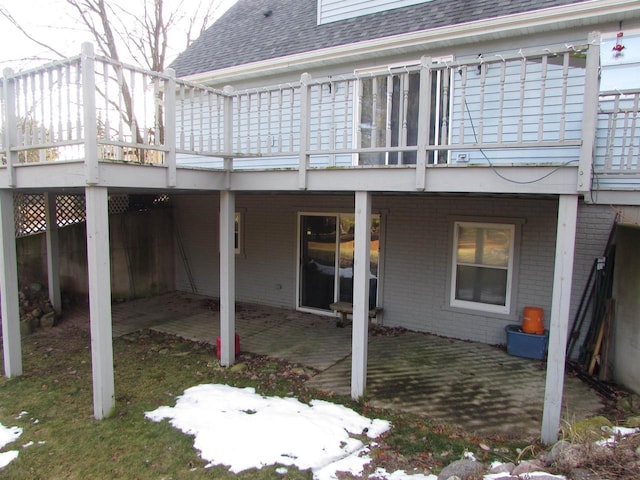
[527,466]
[583,474]
[36,312]
[35,323]
[25,327]
[48,320]
[629,404]
[590,429]
[35,287]
[464,469]
[503,468]
[556,451]
[632,422]
[298,371]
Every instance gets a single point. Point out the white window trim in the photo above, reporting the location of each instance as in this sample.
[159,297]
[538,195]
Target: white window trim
[484,307]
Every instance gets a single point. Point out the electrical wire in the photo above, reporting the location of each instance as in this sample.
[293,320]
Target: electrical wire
[494,168]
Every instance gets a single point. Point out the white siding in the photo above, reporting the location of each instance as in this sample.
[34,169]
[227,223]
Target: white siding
[335,10]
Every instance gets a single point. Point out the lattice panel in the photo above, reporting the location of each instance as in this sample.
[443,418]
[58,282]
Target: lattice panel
[70,209]
[29,213]
[118,203]
[30,216]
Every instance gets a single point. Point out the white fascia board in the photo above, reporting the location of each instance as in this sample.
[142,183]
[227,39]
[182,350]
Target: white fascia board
[554,18]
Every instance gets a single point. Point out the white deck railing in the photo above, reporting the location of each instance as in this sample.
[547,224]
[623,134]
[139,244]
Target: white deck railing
[618,135]
[522,109]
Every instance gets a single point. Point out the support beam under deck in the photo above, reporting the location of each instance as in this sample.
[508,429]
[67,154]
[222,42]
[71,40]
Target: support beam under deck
[361,267]
[99,267]
[9,302]
[227,278]
[560,305]
[53,251]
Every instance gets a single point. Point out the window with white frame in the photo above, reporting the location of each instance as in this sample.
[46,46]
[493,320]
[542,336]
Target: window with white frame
[483,263]
[388,114]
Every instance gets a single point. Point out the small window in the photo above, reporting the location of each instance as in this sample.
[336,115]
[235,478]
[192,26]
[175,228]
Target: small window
[482,269]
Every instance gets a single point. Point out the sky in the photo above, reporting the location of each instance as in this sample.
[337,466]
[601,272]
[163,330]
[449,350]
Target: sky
[55,23]
[240,429]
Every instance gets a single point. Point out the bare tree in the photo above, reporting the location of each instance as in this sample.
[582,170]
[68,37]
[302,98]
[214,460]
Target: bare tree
[143,35]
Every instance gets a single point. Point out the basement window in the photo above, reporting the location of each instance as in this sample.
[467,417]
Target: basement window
[482,268]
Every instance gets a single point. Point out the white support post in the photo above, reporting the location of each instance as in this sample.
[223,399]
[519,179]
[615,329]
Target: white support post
[424,121]
[90,127]
[170,127]
[559,323]
[10,125]
[9,303]
[53,251]
[305,112]
[97,212]
[361,268]
[589,115]
[227,278]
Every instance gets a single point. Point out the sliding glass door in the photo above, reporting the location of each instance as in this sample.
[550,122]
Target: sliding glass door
[326,260]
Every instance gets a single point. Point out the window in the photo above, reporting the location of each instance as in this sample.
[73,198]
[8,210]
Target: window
[389,107]
[482,270]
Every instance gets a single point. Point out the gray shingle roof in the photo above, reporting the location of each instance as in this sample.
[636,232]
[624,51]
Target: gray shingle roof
[244,34]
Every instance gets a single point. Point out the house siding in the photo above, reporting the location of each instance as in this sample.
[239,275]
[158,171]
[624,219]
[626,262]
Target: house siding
[416,254]
[335,10]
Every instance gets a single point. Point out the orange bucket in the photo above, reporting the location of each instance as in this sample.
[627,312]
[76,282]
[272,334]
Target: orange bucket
[533,320]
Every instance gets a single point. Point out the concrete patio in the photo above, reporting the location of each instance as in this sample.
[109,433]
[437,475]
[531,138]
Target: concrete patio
[477,386]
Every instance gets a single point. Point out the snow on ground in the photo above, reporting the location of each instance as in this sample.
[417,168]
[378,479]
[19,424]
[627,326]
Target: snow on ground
[8,435]
[229,422]
[242,429]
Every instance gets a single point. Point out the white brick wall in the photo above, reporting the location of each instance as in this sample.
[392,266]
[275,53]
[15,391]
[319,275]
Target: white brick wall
[416,253]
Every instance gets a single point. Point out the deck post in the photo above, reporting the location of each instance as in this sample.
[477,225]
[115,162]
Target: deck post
[53,251]
[170,126]
[11,127]
[559,323]
[99,267]
[589,115]
[9,303]
[424,121]
[90,127]
[305,112]
[227,278]
[361,269]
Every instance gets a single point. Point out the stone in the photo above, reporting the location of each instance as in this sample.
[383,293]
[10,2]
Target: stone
[556,451]
[527,466]
[464,469]
[48,320]
[502,468]
[632,422]
[583,474]
[25,327]
[590,429]
[36,312]
[35,287]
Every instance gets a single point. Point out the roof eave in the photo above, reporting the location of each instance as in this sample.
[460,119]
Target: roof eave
[537,21]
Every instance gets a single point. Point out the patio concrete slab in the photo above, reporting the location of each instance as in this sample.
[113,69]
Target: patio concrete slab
[476,386]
